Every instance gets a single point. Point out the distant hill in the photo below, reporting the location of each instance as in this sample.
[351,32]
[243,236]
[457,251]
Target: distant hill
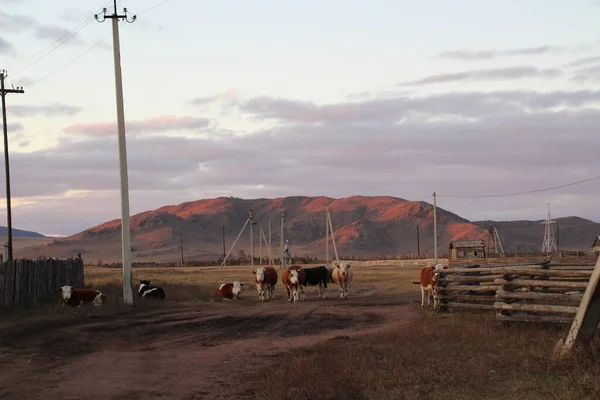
[363,225]
[20,233]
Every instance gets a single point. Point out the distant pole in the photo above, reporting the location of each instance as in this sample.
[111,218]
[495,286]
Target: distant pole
[269,236]
[260,233]
[125,231]
[181,246]
[281,251]
[223,242]
[3,93]
[434,230]
[557,236]
[326,234]
[251,240]
[418,243]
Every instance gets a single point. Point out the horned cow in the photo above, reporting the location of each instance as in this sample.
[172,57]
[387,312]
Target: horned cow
[152,292]
[342,275]
[317,276]
[427,284]
[293,278]
[77,297]
[229,291]
[266,279]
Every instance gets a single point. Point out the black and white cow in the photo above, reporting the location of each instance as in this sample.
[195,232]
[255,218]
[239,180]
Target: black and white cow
[318,276]
[151,292]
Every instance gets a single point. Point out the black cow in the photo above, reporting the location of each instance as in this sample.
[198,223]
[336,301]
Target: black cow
[317,276]
[151,292]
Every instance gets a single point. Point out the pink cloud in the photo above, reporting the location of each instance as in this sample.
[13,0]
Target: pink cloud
[156,124]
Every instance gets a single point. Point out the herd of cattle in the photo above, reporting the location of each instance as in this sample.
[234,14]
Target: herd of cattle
[294,278]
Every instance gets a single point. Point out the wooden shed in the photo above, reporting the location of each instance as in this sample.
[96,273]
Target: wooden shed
[467,249]
[596,244]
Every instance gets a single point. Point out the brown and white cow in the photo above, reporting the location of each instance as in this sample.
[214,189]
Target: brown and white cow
[229,291]
[293,278]
[427,284]
[266,279]
[76,297]
[343,274]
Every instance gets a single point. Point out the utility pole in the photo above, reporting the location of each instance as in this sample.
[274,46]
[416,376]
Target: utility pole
[281,251]
[269,236]
[260,233]
[251,239]
[125,232]
[223,242]
[418,242]
[181,246]
[434,231]
[326,235]
[4,92]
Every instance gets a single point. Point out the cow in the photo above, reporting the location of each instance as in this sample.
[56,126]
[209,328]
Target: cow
[427,284]
[342,275]
[317,276]
[77,297]
[150,292]
[229,291]
[292,278]
[266,279]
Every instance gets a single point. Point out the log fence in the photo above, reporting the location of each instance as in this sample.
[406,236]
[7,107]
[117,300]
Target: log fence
[25,282]
[538,292]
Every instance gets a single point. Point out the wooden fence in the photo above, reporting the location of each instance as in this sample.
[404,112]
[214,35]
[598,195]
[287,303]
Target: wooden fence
[544,295]
[24,282]
[538,292]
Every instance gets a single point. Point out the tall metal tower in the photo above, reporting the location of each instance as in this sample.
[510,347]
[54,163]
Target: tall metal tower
[549,244]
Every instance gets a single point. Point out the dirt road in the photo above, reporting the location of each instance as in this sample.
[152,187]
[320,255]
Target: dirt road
[204,352]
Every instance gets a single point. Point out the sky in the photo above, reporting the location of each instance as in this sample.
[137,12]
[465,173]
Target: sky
[265,98]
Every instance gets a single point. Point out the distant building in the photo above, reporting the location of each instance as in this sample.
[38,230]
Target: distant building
[596,245]
[467,249]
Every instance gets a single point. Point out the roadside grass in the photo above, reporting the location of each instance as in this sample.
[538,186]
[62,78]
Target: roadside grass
[458,356]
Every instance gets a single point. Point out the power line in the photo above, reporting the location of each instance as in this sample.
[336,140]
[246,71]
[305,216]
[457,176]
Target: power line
[58,42]
[153,7]
[72,61]
[524,192]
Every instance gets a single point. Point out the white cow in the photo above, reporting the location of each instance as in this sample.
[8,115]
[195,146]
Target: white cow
[342,275]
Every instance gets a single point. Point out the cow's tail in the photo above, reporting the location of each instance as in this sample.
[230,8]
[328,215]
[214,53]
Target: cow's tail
[416,283]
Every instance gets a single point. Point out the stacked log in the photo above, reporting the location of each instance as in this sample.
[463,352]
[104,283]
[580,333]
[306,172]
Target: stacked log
[473,286]
[551,294]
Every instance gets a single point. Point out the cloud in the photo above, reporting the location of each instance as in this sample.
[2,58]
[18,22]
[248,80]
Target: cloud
[51,110]
[408,146]
[7,48]
[491,74]
[157,124]
[583,61]
[226,95]
[22,23]
[15,127]
[477,55]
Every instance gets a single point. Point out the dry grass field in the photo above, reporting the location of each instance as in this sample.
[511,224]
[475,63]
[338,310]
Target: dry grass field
[380,344]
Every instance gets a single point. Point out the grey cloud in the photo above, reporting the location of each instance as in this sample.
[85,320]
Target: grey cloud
[587,74]
[517,141]
[229,95]
[158,124]
[476,55]
[51,110]
[458,104]
[21,23]
[7,48]
[491,74]
[583,61]
[15,127]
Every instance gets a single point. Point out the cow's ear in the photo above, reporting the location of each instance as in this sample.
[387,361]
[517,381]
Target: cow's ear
[338,266]
[348,265]
[72,288]
[241,284]
[254,271]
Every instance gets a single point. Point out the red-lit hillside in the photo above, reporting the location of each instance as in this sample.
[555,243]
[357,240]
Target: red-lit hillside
[363,225]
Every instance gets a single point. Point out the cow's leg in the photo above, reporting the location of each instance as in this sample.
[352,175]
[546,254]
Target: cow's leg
[422,296]
[272,288]
[341,291]
[346,292]
[325,289]
[289,293]
[302,292]
[320,287]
